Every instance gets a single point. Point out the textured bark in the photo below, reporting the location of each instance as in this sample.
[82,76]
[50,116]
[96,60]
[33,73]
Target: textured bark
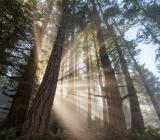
[115,111]
[137,123]
[21,99]
[38,116]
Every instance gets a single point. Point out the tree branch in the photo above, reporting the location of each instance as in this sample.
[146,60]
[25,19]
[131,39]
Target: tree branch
[124,97]
[4,108]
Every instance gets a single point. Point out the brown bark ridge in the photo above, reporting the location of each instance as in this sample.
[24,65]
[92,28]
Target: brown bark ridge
[21,99]
[38,116]
[137,122]
[115,112]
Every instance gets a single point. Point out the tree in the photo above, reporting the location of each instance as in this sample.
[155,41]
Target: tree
[88,72]
[16,45]
[152,83]
[23,94]
[137,123]
[111,87]
[40,29]
[145,14]
[38,116]
[100,83]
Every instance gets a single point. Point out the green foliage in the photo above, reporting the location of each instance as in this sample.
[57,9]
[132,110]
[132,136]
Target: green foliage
[16,40]
[15,22]
[36,136]
[153,10]
[58,132]
[8,134]
[149,134]
[11,134]
[112,11]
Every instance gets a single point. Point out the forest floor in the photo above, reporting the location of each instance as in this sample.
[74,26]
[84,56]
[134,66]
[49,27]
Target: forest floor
[73,121]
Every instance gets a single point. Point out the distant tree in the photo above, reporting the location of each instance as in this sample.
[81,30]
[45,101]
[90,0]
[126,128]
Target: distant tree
[152,83]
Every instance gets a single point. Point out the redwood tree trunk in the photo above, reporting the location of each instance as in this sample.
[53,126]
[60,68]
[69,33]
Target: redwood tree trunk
[62,79]
[38,116]
[71,84]
[115,111]
[88,81]
[105,120]
[22,97]
[137,122]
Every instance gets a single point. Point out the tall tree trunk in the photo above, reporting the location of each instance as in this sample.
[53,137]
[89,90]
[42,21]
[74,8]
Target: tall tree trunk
[67,74]
[21,99]
[76,76]
[115,111]
[38,116]
[151,94]
[136,115]
[146,86]
[62,79]
[40,30]
[137,123]
[105,121]
[88,81]
[71,66]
